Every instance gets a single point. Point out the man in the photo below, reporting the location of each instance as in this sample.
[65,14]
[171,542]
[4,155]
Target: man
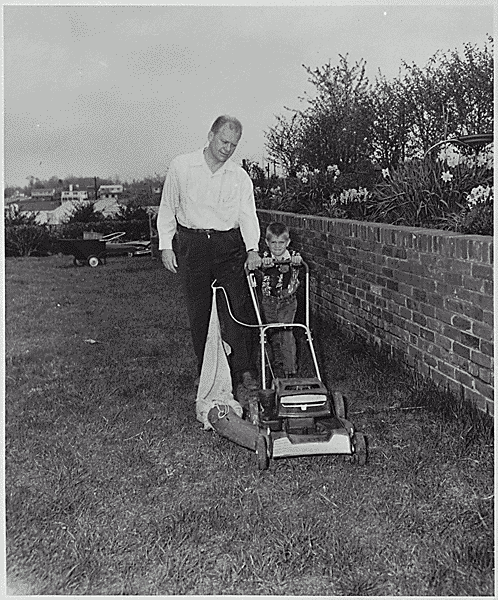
[209,201]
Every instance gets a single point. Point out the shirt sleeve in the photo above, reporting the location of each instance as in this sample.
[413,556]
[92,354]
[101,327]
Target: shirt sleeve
[248,218]
[166,218]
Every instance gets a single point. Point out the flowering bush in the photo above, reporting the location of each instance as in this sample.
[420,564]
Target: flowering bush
[311,191]
[453,190]
[434,192]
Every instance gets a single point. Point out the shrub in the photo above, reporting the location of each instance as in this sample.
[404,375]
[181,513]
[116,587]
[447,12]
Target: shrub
[27,240]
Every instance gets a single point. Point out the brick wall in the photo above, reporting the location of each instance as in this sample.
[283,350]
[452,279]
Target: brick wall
[425,295]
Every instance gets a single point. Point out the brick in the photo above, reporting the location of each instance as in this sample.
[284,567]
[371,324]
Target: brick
[460,350]
[471,283]
[427,310]
[482,271]
[486,375]
[452,333]
[420,319]
[483,331]
[470,340]
[481,359]
[444,341]
[427,335]
[462,248]
[446,369]
[484,389]
[453,279]
[488,318]
[461,323]
[465,378]
[487,348]
[473,370]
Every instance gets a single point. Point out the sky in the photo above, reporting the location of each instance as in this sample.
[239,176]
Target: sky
[118,91]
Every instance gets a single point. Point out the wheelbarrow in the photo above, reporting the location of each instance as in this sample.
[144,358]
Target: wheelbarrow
[94,252]
[90,252]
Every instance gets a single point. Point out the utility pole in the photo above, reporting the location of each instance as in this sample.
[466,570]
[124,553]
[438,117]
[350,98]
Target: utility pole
[95,187]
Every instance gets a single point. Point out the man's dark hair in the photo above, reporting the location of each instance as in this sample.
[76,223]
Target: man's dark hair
[232,122]
[277,229]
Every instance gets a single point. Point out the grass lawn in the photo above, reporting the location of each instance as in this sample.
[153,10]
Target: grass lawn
[112,486]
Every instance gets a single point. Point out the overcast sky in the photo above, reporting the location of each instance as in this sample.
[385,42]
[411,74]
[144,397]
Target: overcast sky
[119,90]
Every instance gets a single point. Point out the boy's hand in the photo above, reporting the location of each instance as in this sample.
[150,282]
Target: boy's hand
[267,261]
[296,259]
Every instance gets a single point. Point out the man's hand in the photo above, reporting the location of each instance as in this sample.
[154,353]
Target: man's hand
[253,260]
[169,260]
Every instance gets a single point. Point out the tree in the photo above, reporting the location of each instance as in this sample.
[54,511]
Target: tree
[390,126]
[132,212]
[451,96]
[282,142]
[85,213]
[335,127]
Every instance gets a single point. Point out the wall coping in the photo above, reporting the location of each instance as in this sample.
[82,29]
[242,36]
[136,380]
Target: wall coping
[405,228]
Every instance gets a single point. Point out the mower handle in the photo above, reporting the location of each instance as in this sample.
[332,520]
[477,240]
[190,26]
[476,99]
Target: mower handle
[280,262]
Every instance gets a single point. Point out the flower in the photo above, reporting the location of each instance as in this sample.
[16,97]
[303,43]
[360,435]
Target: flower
[304,179]
[451,155]
[478,195]
[446,176]
[316,171]
[385,173]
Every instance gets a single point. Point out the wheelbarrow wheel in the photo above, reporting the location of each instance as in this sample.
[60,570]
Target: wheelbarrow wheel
[339,407]
[360,449]
[93,261]
[77,262]
[262,453]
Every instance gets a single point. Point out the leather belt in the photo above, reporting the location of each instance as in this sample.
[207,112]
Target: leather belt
[203,231]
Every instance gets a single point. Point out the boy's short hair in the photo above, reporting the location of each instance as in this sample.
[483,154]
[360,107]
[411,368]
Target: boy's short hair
[277,229]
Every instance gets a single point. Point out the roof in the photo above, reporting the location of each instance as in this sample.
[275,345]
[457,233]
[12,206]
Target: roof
[38,205]
[42,192]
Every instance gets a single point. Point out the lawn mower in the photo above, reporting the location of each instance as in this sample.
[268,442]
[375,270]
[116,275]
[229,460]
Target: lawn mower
[294,416]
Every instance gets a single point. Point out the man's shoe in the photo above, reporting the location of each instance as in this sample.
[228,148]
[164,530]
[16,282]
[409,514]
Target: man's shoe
[249,382]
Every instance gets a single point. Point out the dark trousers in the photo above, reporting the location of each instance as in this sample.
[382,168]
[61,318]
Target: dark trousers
[219,256]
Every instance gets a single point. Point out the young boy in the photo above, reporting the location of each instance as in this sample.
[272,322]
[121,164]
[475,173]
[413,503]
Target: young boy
[278,288]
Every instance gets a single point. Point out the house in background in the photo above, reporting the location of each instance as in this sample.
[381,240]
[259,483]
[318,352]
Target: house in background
[110,191]
[72,194]
[42,194]
[16,197]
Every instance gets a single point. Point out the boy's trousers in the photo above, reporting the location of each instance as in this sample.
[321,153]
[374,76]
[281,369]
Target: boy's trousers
[283,342]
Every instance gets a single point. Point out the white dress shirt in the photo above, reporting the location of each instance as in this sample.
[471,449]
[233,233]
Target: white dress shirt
[196,198]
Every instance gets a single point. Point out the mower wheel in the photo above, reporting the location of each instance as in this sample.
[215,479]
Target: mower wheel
[262,453]
[93,261]
[77,262]
[360,449]
[339,407]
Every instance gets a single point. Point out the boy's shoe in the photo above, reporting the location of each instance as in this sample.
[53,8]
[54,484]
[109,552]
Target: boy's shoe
[248,381]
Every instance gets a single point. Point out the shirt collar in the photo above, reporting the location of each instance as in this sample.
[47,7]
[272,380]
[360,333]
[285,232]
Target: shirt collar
[200,160]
